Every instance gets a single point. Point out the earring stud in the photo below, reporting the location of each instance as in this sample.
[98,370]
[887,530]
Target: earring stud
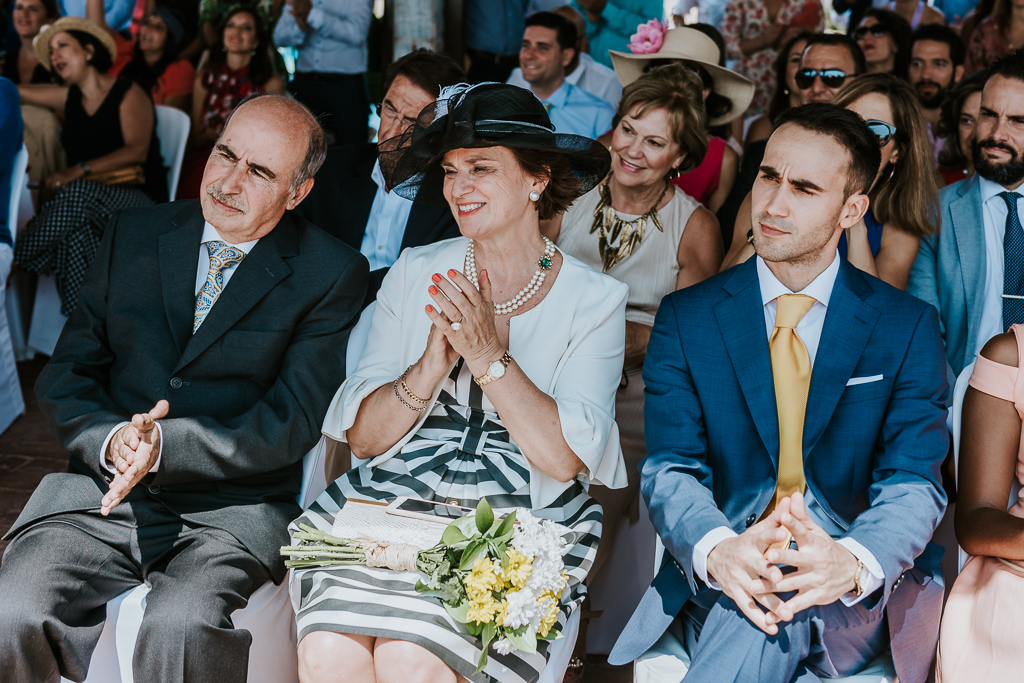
[534,196]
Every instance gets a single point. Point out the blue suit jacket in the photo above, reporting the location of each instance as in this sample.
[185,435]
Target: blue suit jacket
[872,451]
[949,272]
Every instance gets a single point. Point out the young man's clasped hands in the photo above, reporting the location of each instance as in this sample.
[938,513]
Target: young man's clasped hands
[750,571]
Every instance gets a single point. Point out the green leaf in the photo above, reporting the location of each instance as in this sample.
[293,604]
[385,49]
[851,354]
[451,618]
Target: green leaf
[467,525]
[484,516]
[474,629]
[490,631]
[526,641]
[482,663]
[475,549]
[507,526]
[459,613]
[452,535]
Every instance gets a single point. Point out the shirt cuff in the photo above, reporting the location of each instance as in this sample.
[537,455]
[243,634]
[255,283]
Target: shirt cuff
[110,435]
[703,549]
[315,18]
[876,577]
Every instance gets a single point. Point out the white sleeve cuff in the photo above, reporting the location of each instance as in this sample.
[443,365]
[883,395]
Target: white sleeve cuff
[703,549]
[110,435]
[315,18]
[876,577]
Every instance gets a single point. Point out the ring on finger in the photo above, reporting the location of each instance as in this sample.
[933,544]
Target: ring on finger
[457,325]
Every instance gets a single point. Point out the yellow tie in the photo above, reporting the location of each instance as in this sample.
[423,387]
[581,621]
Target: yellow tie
[791,370]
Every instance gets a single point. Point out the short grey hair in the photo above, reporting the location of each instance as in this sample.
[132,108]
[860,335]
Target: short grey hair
[316,152]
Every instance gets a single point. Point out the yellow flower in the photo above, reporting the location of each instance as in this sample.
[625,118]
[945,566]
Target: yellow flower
[482,610]
[549,620]
[519,568]
[482,579]
[499,618]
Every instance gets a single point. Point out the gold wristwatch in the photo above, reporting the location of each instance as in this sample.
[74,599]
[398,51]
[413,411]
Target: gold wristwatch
[495,370]
[859,579]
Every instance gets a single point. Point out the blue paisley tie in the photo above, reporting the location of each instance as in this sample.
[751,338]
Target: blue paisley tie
[1013,263]
[222,256]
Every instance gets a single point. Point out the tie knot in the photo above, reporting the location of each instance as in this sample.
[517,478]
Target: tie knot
[223,255]
[791,309]
[1011,200]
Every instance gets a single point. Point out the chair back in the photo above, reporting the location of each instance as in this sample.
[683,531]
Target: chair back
[19,187]
[962,383]
[172,128]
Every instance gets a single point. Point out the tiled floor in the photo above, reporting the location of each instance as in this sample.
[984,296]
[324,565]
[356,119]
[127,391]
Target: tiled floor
[28,452]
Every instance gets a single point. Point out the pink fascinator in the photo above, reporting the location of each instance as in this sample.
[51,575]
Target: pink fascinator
[648,38]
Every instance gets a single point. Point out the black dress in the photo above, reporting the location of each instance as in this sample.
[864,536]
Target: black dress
[62,239]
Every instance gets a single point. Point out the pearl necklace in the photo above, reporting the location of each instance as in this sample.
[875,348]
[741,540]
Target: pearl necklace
[527,292]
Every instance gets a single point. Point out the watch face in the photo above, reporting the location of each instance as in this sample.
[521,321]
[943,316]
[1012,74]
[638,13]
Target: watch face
[496,370]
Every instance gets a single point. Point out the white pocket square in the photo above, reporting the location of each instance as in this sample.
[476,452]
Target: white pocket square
[854,381]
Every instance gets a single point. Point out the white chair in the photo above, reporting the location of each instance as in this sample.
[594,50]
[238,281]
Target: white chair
[268,616]
[962,382]
[21,287]
[47,320]
[172,128]
[11,402]
[667,661]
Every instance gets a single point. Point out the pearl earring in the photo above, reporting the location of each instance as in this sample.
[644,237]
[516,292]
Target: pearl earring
[534,196]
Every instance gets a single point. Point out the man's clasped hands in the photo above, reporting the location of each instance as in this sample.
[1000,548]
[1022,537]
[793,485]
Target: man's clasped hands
[132,451]
[747,568]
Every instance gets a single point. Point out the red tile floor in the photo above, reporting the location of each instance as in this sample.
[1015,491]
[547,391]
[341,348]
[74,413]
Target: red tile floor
[28,452]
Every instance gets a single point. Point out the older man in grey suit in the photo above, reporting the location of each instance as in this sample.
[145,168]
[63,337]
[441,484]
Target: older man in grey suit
[186,387]
[973,270]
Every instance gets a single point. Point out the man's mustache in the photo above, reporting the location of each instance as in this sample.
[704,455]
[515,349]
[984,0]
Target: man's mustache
[990,143]
[215,192]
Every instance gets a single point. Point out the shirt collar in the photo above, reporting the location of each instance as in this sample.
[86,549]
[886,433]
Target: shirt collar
[378,175]
[210,234]
[559,97]
[990,189]
[577,73]
[820,288]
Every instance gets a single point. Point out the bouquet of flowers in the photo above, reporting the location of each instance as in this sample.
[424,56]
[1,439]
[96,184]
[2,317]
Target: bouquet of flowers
[501,578]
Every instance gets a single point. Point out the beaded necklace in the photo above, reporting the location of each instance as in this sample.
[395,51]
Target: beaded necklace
[527,292]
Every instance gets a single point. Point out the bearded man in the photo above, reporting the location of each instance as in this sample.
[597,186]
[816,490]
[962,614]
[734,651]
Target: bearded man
[972,271]
[795,429]
[936,65]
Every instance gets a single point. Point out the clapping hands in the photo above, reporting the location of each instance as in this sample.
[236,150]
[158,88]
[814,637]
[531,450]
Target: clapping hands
[749,571]
[132,451]
[476,339]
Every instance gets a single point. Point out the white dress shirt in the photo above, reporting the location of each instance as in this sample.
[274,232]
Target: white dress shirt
[994,213]
[382,240]
[335,41]
[809,331]
[595,78]
[209,234]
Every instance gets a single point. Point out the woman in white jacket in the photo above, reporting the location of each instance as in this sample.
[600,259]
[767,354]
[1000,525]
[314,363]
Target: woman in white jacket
[490,370]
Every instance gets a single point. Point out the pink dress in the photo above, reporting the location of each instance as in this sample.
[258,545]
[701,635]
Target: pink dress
[979,639]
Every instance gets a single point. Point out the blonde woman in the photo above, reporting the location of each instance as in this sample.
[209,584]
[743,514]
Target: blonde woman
[903,197]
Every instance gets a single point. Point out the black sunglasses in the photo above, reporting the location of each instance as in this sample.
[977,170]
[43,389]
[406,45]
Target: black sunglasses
[882,130]
[877,31]
[831,78]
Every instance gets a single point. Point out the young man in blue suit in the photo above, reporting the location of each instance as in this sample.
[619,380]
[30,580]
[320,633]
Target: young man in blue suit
[795,430]
[978,255]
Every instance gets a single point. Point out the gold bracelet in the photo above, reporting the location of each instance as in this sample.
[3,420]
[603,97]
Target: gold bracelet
[406,403]
[414,397]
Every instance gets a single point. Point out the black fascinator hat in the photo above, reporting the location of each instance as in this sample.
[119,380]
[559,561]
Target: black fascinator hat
[485,115]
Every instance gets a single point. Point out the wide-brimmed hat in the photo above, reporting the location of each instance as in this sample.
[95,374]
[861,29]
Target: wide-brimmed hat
[41,43]
[694,46]
[485,115]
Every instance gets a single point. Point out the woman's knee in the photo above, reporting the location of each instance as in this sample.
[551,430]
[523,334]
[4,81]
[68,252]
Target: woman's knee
[401,661]
[328,656]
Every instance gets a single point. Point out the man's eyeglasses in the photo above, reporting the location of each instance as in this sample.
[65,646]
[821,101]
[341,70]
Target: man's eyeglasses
[877,31]
[388,113]
[882,130]
[830,78]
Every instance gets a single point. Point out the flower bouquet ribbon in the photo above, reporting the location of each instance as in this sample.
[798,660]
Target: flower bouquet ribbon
[500,578]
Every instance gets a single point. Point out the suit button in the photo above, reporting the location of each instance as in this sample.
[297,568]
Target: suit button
[153,489]
[750,521]
[175,383]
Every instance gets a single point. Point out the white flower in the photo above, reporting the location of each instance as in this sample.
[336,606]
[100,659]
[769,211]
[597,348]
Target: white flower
[502,646]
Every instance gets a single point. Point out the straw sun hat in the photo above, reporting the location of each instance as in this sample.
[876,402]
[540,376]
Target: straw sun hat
[41,44]
[691,45]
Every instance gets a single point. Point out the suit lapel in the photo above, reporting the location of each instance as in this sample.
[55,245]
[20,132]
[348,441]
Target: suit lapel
[179,257]
[261,270]
[741,320]
[844,337]
[968,222]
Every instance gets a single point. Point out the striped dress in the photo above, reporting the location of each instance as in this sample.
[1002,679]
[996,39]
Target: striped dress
[460,454]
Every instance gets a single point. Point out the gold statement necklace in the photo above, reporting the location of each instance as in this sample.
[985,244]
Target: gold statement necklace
[610,227]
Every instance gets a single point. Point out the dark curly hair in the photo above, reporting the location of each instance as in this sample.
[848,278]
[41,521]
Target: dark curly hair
[563,186]
[260,67]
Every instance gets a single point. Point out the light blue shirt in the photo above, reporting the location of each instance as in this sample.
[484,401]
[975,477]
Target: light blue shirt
[495,26]
[118,13]
[573,110]
[336,39]
[389,215]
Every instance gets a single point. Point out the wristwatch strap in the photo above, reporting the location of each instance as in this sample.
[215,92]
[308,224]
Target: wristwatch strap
[487,377]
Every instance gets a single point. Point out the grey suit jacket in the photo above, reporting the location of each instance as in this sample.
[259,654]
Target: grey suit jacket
[248,391]
[949,272]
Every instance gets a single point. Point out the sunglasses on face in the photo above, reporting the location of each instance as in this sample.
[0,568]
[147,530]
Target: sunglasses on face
[877,31]
[882,130]
[830,78]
